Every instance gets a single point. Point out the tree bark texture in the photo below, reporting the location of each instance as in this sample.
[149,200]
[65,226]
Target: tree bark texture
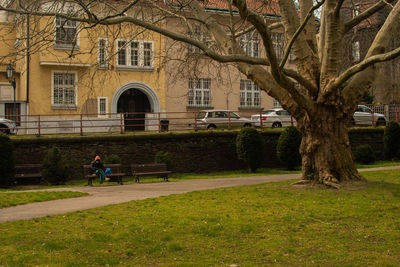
[325,149]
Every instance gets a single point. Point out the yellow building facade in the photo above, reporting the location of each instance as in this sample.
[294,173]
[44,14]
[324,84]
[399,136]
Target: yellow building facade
[64,69]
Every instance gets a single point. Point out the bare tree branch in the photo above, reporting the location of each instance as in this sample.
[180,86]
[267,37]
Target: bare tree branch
[364,15]
[299,30]
[363,65]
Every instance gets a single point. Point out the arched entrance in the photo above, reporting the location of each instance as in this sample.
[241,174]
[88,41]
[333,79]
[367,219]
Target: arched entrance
[135,100]
[134,104]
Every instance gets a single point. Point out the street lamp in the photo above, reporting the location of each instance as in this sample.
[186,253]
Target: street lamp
[11,79]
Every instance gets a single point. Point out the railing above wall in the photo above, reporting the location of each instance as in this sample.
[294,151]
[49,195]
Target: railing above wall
[81,124]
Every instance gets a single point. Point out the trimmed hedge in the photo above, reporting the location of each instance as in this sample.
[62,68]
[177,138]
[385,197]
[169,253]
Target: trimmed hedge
[54,169]
[250,148]
[288,148]
[364,154]
[391,140]
[7,161]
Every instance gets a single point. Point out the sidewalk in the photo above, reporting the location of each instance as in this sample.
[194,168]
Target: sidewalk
[115,194]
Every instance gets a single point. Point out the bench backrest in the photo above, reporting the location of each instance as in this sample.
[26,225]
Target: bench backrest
[115,168]
[143,168]
[28,168]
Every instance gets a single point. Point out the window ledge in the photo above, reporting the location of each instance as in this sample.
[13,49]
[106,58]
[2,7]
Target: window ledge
[66,47]
[135,68]
[251,108]
[64,107]
[198,107]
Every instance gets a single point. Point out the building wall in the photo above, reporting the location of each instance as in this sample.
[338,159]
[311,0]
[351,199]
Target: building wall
[92,81]
[180,66]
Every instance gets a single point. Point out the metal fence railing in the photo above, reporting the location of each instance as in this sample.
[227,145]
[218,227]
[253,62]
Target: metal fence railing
[155,122]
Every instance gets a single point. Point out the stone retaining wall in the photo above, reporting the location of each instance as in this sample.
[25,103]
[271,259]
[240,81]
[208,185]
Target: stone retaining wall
[192,152]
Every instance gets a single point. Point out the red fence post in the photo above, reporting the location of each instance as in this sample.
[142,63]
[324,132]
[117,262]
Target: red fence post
[81,125]
[121,123]
[38,125]
[373,119]
[159,122]
[195,121]
[261,119]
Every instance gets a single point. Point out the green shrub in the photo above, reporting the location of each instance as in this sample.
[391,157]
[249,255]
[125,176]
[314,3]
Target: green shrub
[112,159]
[54,169]
[7,161]
[288,148]
[364,154]
[391,140]
[250,148]
[164,157]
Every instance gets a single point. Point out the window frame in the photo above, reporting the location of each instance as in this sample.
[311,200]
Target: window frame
[248,42]
[62,44]
[199,89]
[100,114]
[355,51]
[250,94]
[75,87]
[103,63]
[127,48]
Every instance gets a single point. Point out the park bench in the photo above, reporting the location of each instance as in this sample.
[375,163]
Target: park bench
[150,170]
[115,176]
[28,172]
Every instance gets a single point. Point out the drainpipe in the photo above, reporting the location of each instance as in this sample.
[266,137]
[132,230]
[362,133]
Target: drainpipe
[27,58]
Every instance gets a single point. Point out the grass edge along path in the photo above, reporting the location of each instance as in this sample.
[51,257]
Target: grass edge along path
[8,199]
[258,225]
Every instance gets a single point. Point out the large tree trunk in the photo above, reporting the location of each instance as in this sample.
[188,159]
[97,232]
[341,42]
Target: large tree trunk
[325,150]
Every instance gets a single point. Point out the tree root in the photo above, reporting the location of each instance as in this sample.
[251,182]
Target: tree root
[331,181]
[303,182]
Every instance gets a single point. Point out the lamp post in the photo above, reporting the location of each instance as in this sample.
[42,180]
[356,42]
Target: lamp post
[11,79]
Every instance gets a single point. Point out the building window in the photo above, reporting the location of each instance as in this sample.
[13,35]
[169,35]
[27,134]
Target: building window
[249,94]
[277,104]
[66,33]
[135,54]
[103,55]
[199,93]
[9,112]
[277,43]
[356,51]
[200,36]
[250,44]
[64,90]
[356,9]
[102,107]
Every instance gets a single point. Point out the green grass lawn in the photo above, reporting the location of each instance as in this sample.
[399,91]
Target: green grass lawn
[12,199]
[270,224]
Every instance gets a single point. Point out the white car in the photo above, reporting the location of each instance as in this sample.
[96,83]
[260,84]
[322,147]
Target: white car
[363,117]
[212,119]
[274,118]
[8,126]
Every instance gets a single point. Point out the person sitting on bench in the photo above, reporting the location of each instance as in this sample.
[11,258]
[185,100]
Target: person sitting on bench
[98,168]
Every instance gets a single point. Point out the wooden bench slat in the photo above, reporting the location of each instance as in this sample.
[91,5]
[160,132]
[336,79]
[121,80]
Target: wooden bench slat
[152,169]
[28,171]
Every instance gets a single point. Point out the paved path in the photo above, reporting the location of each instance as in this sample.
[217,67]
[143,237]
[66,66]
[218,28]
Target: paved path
[114,194]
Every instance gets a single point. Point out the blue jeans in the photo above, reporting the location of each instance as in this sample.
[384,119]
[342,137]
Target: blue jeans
[101,175]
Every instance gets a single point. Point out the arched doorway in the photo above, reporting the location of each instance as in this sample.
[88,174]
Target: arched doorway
[134,104]
[135,97]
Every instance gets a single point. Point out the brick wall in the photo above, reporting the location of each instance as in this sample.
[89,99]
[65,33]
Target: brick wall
[192,152]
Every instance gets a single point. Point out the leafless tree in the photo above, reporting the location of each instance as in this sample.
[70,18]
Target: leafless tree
[324,103]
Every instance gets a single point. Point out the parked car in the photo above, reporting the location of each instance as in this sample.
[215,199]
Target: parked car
[274,118]
[8,126]
[363,117]
[212,119]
